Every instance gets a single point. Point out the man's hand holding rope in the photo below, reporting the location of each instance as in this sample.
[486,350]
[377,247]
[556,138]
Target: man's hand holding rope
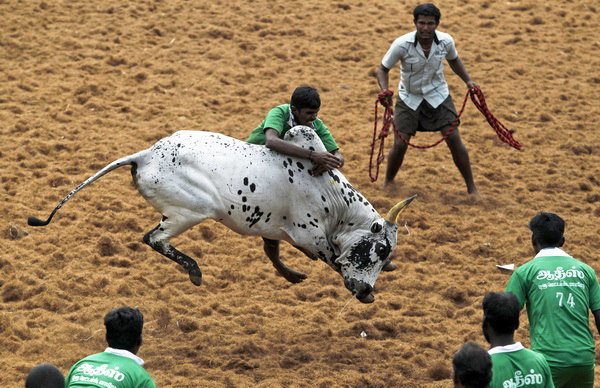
[472,86]
[385,98]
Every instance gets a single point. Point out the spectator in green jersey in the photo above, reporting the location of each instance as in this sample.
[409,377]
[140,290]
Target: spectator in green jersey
[513,365]
[471,367]
[558,292]
[118,366]
[45,376]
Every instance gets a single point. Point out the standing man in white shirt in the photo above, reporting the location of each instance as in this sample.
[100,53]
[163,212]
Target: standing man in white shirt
[424,102]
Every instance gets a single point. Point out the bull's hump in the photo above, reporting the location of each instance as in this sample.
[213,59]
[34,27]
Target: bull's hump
[304,137]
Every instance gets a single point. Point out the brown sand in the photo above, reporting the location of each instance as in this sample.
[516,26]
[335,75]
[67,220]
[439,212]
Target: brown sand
[83,83]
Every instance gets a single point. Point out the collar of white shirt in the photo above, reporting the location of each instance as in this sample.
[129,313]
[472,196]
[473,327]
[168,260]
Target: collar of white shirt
[124,353]
[506,348]
[416,40]
[546,252]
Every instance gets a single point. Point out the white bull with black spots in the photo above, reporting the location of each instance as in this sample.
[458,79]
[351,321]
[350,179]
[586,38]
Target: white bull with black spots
[192,175]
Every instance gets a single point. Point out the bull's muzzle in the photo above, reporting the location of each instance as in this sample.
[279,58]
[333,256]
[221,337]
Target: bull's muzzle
[361,289]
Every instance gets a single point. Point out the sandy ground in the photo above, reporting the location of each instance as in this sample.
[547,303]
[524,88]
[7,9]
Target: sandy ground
[83,83]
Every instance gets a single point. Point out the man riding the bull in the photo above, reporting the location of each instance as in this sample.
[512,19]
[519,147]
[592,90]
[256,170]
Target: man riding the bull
[303,109]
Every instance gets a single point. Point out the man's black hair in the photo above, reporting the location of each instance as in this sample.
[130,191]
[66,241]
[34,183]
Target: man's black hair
[124,328]
[501,310]
[45,376]
[306,97]
[427,9]
[547,228]
[472,366]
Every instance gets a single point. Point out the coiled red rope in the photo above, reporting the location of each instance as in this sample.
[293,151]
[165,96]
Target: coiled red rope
[385,99]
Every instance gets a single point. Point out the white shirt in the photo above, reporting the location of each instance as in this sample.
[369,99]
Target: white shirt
[421,78]
[124,353]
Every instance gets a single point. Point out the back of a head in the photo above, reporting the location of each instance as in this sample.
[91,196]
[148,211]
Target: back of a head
[124,328]
[501,310]
[45,376]
[472,366]
[547,228]
[306,97]
[427,9]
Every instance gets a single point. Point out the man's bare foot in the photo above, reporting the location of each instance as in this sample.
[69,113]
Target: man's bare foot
[475,194]
[472,189]
[291,275]
[391,185]
[386,183]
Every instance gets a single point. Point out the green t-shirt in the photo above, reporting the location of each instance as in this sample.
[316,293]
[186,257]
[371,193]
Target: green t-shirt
[515,366]
[108,370]
[558,292]
[278,118]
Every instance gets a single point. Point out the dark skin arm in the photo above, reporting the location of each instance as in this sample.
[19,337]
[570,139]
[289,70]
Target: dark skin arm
[459,68]
[383,79]
[322,161]
[597,319]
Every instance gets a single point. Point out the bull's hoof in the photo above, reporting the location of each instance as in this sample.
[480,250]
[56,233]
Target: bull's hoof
[196,276]
[389,267]
[367,299]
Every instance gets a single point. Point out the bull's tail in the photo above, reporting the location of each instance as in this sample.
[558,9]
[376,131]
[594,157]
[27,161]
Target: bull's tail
[125,161]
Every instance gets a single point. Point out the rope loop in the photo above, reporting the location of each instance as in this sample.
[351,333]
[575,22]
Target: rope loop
[385,99]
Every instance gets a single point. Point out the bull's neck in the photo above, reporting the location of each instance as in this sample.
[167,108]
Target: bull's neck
[349,209]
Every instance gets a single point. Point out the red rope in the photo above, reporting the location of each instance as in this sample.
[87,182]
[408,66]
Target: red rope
[504,134]
[385,99]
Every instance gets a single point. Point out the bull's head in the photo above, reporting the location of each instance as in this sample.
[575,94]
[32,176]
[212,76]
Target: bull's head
[367,255]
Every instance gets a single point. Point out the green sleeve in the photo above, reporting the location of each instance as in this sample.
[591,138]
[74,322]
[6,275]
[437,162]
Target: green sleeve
[594,291]
[276,118]
[516,285]
[325,136]
[68,378]
[149,383]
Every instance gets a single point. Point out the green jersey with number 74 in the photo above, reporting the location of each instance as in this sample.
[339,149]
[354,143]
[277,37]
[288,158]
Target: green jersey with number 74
[559,292]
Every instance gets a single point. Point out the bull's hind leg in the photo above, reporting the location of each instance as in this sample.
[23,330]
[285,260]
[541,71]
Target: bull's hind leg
[159,237]
[307,253]
[271,248]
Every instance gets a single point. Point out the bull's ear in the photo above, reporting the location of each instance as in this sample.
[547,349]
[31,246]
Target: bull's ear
[376,227]
[394,212]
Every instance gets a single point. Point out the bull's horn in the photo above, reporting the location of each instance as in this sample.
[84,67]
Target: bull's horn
[394,213]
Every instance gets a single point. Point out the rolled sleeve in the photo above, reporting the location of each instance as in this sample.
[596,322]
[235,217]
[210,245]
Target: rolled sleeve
[450,47]
[516,286]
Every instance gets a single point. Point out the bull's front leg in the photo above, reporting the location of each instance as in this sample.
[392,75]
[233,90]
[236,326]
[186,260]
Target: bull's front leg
[271,248]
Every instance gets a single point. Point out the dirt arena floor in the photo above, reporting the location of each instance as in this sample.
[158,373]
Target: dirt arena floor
[84,83]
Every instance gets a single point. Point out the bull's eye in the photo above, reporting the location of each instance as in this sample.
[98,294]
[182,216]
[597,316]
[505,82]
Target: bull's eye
[382,250]
[376,227]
